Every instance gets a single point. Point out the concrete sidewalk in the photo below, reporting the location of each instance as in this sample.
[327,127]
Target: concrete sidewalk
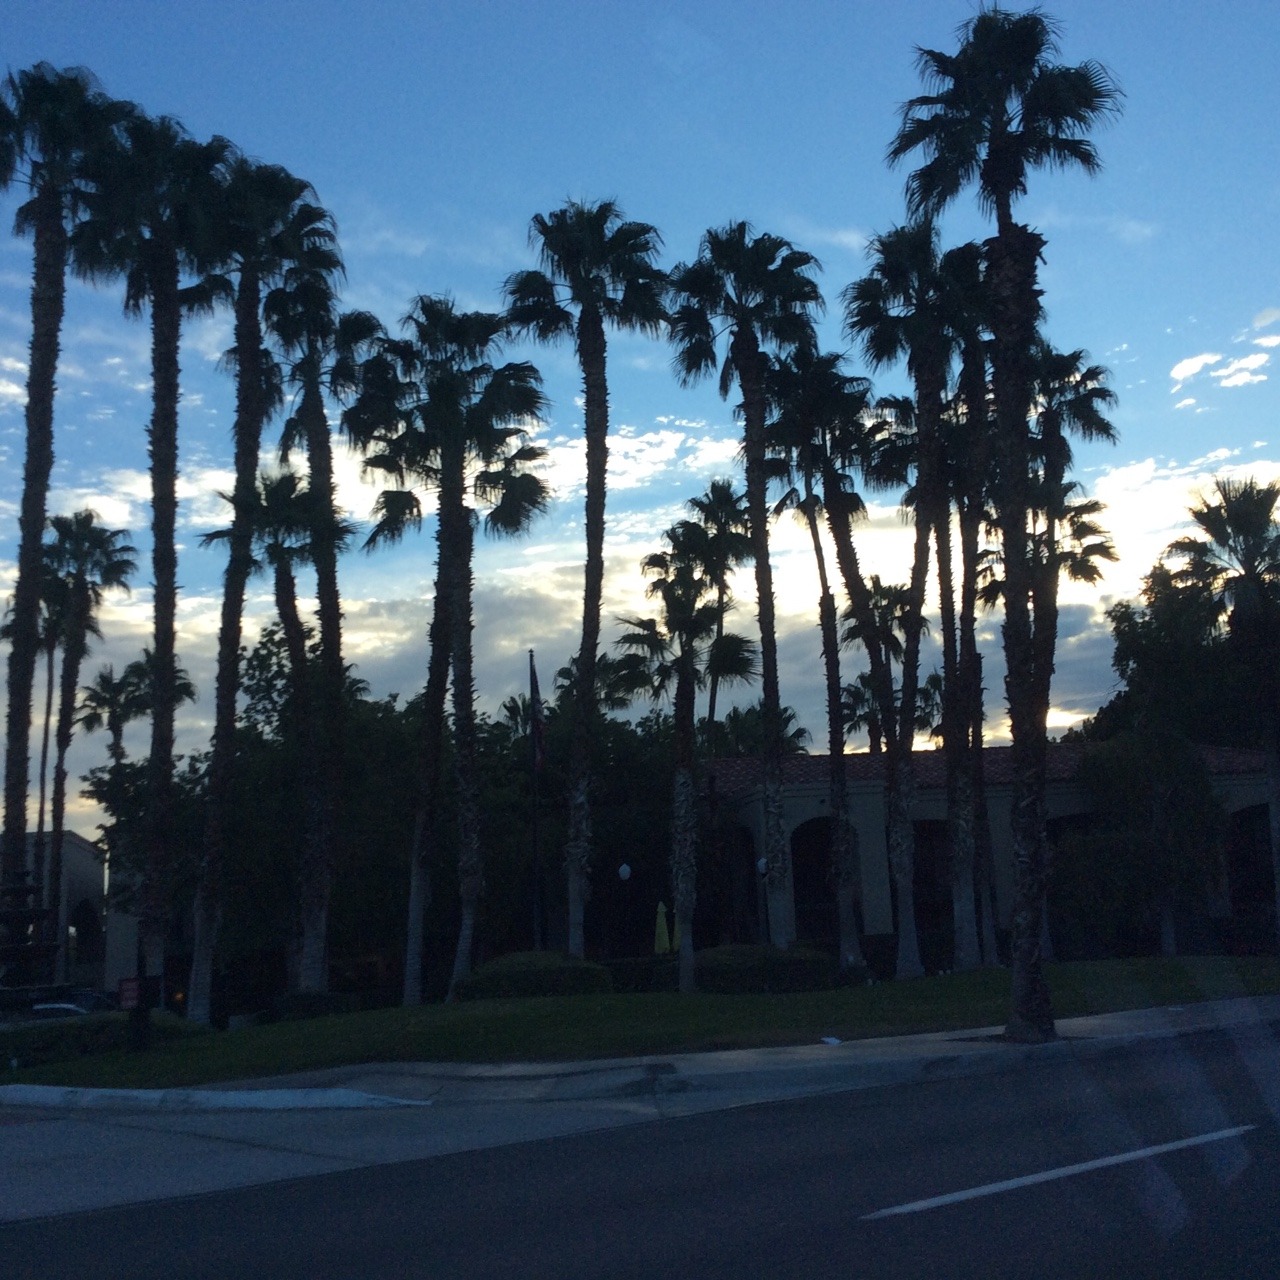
[63,1150]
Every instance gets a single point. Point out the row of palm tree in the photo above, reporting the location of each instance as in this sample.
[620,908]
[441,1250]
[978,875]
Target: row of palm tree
[190,224]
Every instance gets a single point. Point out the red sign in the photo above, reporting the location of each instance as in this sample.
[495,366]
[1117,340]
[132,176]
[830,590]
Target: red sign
[130,989]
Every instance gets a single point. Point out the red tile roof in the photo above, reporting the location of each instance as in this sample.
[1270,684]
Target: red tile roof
[743,773]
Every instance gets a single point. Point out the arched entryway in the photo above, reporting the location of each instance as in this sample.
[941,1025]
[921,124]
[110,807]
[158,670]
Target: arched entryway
[817,917]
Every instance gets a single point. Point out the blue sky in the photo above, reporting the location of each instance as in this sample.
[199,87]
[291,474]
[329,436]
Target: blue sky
[433,132]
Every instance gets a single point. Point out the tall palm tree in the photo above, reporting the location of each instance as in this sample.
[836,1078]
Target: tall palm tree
[1001,107]
[91,560]
[325,349]
[722,512]
[268,220]
[596,269]
[676,650]
[458,425]
[813,398]
[903,309]
[52,125]
[149,220]
[759,291]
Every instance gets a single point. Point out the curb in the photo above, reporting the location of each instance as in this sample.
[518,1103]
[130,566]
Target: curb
[48,1095]
[750,1075]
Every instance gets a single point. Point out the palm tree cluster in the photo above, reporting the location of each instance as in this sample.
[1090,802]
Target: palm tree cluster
[981,448]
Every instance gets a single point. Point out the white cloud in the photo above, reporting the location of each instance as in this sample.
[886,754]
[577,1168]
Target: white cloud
[1240,373]
[1271,340]
[11,393]
[1267,316]
[1183,404]
[1192,365]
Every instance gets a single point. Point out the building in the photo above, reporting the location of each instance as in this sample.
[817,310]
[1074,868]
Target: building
[1239,779]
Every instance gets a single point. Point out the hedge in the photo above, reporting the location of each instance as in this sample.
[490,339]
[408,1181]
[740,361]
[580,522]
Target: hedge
[60,1039]
[535,973]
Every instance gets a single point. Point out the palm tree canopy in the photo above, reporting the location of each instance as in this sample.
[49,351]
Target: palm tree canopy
[722,512]
[999,107]
[593,260]
[1238,555]
[156,192]
[437,394]
[741,283]
[51,122]
[91,558]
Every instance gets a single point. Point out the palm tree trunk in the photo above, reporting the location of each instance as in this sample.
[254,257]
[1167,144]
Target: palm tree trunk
[247,432]
[591,357]
[72,656]
[684,820]
[37,845]
[314,878]
[960,812]
[1011,270]
[844,867]
[777,853]
[328,726]
[470,856]
[162,442]
[713,683]
[48,295]
[433,700]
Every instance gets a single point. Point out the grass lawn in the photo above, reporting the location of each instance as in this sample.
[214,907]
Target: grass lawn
[574,1027]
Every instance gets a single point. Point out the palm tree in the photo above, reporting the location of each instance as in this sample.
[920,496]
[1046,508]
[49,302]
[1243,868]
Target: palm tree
[456,423]
[148,220]
[744,732]
[52,125]
[813,398]
[1235,558]
[906,308]
[597,269]
[676,650]
[110,702]
[722,512]
[267,221]
[759,291]
[1001,107]
[90,560]
[325,349]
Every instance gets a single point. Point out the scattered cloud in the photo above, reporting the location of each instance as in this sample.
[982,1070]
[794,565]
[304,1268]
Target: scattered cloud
[1185,403]
[1267,317]
[1240,373]
[1192,365]
[1271,340]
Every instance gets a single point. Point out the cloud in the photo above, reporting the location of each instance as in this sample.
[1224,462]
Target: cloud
[1271,340]
[1183,404]
[1240,373]
[1192,365]
[1266,317]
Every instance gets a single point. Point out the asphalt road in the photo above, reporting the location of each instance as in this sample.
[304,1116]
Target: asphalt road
[785,1189]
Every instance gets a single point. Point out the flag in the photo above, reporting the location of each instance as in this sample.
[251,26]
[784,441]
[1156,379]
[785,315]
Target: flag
[537,725]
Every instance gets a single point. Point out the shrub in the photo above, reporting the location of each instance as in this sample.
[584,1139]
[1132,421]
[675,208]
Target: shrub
[737,970]
[645,973]
[61,1039]
[535,973]
[293,1006]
